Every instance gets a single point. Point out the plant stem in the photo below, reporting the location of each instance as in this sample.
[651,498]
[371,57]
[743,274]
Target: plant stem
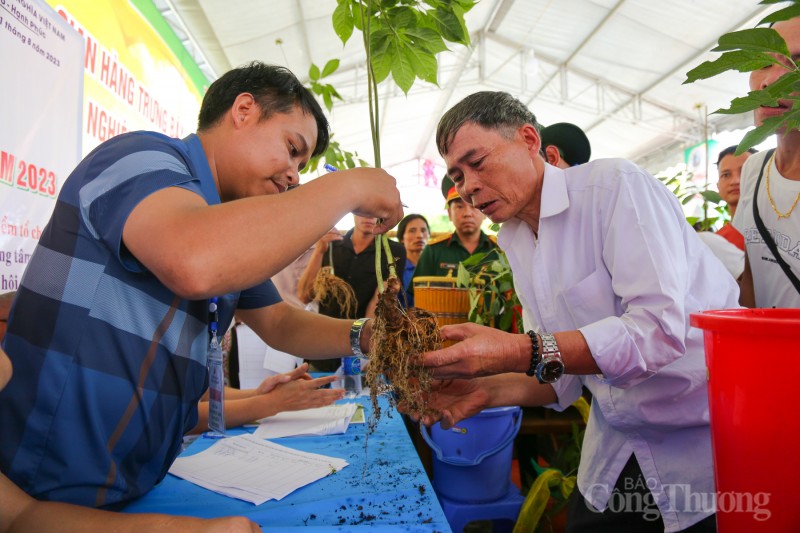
[372,87]
[378,269]
[389,257]
[372,95]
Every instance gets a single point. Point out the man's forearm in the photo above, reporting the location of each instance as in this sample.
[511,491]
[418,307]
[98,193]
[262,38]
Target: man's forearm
[298,332]
[518,389]
[237,412]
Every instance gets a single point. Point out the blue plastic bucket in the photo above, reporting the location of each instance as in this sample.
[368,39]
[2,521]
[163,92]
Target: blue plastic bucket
[472,460]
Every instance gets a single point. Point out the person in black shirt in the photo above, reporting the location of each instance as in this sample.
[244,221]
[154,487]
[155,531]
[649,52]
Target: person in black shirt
[354,262]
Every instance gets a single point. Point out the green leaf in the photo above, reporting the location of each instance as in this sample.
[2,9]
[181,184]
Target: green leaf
[711,196]
[459,13]
[753,100]
[335,93]
[789,120]
[328,101]
[382,53]
[475,259]
[313,72]
[466,5]
[343,20]
[755,40]
[423,65]
[402,18]
[448,24]
[783,14]
[785,86]
[463,277]
[780,89]
[427,38]
[743,61]
[357,22]
[330,67]
[505,321]
[403,73]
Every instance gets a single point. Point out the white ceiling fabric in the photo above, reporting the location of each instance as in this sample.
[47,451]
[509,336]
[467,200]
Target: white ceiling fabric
[613,67]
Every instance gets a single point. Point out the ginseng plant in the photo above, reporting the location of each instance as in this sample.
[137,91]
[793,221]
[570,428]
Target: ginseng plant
[331,290]
[400,38]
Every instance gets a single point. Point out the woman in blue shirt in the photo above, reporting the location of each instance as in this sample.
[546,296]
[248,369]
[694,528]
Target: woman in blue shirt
[413,232]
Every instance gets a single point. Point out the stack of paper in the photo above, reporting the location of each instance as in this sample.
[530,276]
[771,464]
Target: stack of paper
[254,470]
[330,420]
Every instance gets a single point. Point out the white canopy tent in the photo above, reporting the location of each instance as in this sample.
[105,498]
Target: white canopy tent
[613,67]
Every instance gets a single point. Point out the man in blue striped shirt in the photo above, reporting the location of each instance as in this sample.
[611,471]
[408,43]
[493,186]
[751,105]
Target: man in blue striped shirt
[108,333]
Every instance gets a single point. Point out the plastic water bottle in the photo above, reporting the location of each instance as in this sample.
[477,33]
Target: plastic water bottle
[352,376]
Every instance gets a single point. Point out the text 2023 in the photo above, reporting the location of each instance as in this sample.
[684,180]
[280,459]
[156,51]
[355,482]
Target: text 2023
[36,179]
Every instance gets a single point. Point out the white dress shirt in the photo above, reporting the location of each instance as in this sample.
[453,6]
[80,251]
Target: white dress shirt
[727,252]
[616,259]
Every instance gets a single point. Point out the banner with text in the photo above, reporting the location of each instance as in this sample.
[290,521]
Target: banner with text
[40,113]
[138,75]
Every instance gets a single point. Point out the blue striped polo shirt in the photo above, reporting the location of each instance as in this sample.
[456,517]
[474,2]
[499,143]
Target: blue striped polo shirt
[109,364]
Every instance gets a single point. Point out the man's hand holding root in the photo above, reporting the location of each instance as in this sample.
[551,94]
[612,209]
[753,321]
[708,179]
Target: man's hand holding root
[451,401]
[479,351]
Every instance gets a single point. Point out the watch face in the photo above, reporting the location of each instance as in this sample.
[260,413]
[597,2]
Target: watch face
[550,370]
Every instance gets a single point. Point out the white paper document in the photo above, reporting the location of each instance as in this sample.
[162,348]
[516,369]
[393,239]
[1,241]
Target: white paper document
[280,362]
[330,420]
[258,360]
[254,470]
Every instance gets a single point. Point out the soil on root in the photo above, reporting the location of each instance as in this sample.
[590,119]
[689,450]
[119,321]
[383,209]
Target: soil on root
[399,337]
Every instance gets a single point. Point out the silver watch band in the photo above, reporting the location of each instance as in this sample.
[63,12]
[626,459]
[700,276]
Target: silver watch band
[549,346]
[355,336]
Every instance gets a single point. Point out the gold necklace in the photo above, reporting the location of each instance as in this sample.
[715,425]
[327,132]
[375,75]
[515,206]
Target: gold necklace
[769,195]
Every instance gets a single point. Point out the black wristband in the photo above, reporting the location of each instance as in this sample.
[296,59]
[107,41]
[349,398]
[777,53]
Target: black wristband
[534,353]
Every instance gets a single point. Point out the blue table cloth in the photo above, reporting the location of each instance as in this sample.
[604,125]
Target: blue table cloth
[384,488]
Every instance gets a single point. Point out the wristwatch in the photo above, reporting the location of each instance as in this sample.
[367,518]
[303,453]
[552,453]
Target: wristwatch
[550,367]
[355,336]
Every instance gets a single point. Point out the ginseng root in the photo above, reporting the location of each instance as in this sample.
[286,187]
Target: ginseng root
[399,337]
[330,289]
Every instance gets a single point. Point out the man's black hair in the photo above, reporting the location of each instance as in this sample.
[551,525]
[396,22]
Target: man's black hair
[275,89]
[730,150]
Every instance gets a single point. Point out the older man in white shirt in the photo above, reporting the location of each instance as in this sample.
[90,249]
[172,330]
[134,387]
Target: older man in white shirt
[608,271]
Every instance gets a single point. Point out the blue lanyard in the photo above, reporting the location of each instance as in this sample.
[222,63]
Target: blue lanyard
[216,373]
[213,316]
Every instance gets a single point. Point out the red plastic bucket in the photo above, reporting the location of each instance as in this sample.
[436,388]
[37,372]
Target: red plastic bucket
[753,367]
[472,460]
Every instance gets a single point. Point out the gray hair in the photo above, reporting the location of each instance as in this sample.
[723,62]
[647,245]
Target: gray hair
[493,110]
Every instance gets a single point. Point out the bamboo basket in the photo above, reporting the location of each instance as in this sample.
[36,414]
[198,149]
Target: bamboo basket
[441,296]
